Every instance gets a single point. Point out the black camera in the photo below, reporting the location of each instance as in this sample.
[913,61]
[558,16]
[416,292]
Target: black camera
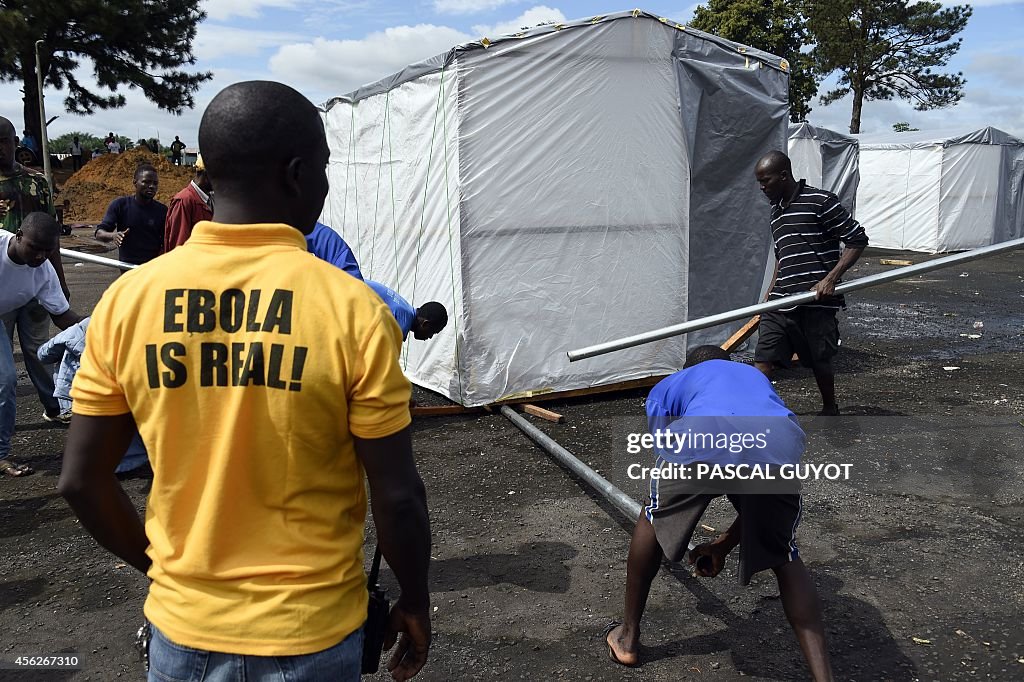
[378,612]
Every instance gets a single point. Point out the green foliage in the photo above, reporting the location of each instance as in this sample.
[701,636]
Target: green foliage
[62,143]
[884,49]
[903,127]
[774,26]
[142,44]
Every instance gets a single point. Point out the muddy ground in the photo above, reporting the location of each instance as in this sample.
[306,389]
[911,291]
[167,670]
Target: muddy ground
[917,558]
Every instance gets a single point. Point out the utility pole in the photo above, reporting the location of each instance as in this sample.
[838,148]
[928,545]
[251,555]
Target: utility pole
[44,142]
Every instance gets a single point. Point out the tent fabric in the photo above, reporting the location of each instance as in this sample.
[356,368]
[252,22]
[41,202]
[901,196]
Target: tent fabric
[942,191]
[553,189]
[826,159]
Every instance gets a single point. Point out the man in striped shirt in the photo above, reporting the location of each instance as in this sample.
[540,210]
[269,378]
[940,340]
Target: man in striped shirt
[807,225]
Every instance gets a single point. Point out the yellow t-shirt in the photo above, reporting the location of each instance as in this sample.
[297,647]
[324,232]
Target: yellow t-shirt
[248,365]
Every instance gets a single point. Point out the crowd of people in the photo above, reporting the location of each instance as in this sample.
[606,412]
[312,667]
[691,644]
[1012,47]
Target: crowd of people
[265,384]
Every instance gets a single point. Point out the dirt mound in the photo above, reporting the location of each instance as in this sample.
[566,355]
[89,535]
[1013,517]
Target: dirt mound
[107,177]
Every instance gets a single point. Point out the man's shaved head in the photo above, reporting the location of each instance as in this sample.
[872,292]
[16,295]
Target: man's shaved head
[7,127]
[264,143]
[774,162]
[774,174]
[35,240]
[41,225]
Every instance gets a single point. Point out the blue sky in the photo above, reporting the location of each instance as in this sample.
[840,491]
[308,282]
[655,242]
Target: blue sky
[329,47]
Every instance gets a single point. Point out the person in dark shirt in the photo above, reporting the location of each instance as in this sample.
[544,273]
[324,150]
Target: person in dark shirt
[135,224]
[807,226]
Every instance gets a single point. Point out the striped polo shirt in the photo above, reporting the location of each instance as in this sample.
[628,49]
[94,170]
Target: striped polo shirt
[807,233]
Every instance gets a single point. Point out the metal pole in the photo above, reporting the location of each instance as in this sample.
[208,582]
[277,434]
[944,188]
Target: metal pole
[99,260]
[623,502]
[751,310]
[44,143]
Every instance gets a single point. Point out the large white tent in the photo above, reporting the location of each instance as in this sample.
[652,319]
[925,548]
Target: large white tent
[826,159]
[936,191]
[567,185]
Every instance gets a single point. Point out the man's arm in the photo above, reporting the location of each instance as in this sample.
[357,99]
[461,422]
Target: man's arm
[838,222]
[775,276]
[94,447]
[827,285]
[107,231]
[399,504]
[66,319]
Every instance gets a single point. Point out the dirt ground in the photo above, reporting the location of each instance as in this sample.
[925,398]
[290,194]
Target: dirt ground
[917,558]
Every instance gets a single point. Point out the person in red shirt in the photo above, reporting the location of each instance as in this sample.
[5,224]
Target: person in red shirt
[188,207]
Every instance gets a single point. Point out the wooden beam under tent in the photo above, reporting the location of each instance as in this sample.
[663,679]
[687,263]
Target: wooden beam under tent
[449,410]
[540,412]
[742,334]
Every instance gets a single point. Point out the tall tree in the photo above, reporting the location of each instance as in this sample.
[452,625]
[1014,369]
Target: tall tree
[135,43]
[775,26]
[887,48]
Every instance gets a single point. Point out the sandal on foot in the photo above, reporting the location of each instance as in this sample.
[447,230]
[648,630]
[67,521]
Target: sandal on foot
[8,467]
[606,633]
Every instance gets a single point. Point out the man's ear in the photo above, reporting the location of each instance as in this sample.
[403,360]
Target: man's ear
[293,176]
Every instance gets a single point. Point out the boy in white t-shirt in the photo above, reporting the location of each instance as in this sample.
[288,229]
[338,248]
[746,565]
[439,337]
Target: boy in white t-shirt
[26,274]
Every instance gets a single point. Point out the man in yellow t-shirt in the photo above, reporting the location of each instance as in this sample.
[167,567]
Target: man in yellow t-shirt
[263,384]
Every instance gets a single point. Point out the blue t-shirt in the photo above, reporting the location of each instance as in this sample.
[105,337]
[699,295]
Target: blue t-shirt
[145,241]
[723,412]
[403,311]
[326,244]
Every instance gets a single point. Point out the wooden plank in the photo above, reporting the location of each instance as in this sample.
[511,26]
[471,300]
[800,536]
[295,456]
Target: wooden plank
[895,261]
[646,382]
[447,410]
[543,414]
[440,410]
[742,334]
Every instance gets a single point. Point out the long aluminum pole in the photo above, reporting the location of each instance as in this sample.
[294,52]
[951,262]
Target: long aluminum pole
[623,502]
[751,310]
[99,260]
[44,143]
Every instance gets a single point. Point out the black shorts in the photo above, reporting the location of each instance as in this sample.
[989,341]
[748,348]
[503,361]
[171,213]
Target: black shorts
[811,333]
[768,526]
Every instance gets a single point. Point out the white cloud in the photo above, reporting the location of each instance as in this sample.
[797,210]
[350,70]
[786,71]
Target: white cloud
[339,66]
[468,6]
[225,9]
[1003,68]
[215,40]
[529,18]
[980,107]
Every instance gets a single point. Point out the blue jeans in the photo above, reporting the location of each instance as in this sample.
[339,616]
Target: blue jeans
[169,662]
[134,457]
[33,325]
[8,384]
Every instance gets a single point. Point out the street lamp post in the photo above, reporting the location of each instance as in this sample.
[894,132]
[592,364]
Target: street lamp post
[43,141]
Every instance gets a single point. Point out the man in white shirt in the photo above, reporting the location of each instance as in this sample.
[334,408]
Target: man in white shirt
[114,146]
[26,274]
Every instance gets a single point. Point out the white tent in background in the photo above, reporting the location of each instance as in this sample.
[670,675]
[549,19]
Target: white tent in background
[826,159]
[937,191]
[566,185]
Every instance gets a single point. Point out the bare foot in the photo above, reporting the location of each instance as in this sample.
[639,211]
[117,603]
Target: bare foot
[622,649]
